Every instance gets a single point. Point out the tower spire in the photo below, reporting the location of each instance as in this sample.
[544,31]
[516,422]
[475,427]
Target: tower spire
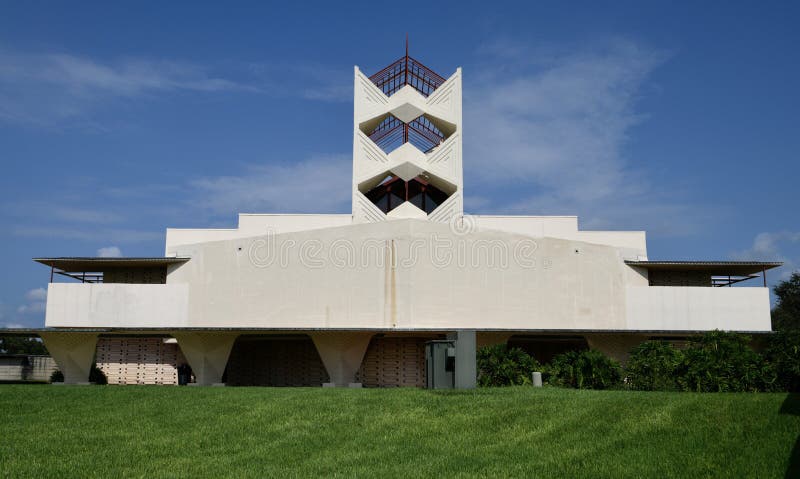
[405,65]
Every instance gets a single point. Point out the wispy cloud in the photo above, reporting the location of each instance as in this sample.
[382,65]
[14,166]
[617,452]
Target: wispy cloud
[65,89]
[305,80]
[46,89]
[320,184]
[774,246]
[109,252]
[116,235]
[36,300]
[548,134]
[58,211]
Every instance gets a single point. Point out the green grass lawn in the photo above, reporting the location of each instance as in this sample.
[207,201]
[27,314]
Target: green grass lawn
[107,431]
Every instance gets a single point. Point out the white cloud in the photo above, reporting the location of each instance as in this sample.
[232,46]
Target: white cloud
[557,125]
[47,89]
[109,252]
[54,211]
[774,246]
[318,185]
[36,294]
[127,77]
[93,234]
[36,300]
[306,80]
[31,308]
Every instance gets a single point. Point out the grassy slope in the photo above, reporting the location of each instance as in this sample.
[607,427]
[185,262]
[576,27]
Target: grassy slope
[170,431]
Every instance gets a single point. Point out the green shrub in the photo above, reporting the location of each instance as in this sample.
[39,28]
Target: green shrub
[719,361]
[96,376]
[654,366]
[584,370]
[500,366]
[783,354]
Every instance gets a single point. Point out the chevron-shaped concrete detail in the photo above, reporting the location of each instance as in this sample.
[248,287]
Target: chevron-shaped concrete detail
[445,102]
[444,162]
[368,159]
[447,210]
[369,99]
[405,211]
[364,211]
[407,162]
[407,104]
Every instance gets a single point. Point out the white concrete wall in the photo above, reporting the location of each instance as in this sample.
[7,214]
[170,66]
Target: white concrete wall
[253,224]
[180,236]
[536,226]
[633,244]
[120,305]
[392,275]
[568,285]
[684,308]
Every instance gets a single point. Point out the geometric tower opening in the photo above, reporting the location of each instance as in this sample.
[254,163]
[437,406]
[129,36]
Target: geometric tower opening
[391,133]
[393,191]
[407,71]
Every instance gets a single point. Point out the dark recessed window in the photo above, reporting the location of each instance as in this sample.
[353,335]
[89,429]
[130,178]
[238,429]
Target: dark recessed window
[393,192]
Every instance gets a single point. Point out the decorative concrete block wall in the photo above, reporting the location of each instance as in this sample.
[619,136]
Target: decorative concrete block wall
[138,360]
[394,362]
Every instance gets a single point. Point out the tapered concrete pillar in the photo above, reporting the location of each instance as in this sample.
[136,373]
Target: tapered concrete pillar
[615,346]
[74,354]
[341,353]
[207,353]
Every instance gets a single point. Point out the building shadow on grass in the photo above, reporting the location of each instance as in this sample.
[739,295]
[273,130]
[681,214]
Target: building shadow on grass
[792,406]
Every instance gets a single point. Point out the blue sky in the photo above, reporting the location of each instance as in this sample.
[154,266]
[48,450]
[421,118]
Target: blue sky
[118,121]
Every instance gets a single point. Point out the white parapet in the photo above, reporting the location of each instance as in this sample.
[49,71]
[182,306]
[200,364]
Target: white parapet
[684,308]
[117,305]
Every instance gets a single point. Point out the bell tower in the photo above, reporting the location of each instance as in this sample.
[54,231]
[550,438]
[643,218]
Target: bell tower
[407,144]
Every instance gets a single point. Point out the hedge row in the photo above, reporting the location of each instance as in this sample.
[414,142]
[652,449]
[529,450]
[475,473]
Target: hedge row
[714,362]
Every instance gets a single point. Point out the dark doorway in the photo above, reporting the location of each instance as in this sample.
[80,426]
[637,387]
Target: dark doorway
[275,361]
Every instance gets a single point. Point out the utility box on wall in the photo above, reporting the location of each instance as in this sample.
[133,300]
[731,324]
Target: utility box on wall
[440,364]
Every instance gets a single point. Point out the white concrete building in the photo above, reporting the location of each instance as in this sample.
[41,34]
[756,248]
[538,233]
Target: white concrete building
[351,299]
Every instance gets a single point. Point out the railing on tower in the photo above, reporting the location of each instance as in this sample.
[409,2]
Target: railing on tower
[420,132]
[407,71]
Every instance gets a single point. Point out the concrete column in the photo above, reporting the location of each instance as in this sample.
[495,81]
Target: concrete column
[341,353]
[466,373]
[73,352]
[207,353]
[615,346]
[490,338]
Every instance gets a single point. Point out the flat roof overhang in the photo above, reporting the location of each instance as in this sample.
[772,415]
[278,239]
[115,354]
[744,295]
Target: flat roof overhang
[79,264]
[169,331]
[713,268]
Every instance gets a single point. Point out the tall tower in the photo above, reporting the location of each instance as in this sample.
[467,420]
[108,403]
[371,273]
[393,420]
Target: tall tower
[407,144]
